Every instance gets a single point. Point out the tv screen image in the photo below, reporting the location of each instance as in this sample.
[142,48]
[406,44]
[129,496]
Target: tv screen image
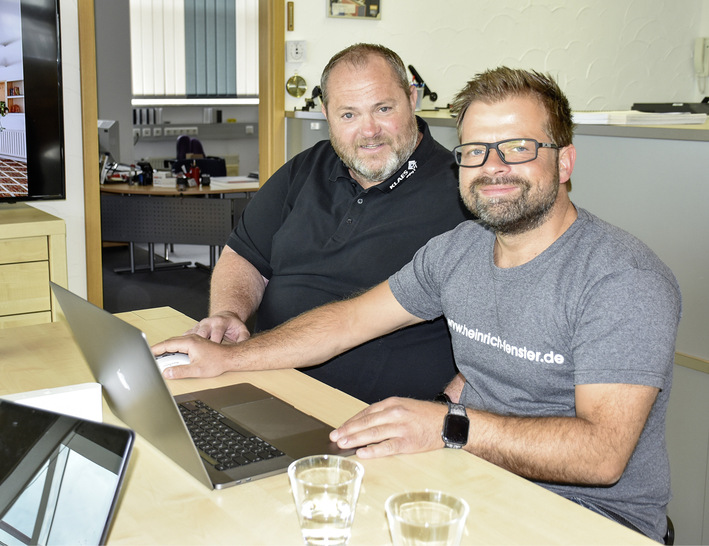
[31,124]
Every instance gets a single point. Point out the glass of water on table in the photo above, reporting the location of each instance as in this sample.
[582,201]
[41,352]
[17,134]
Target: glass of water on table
[325,489]
[419,518]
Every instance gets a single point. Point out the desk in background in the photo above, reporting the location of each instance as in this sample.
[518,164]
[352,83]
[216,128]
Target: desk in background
[203,215]
[162,504]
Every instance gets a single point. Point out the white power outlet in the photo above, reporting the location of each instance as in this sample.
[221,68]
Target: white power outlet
[295,51]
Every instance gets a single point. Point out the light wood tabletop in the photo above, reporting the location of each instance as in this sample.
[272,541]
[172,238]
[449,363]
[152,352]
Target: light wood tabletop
[216,188]
[162,504]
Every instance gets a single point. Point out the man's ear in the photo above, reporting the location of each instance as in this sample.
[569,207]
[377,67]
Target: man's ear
[567,160]
[324,110]
[413,96]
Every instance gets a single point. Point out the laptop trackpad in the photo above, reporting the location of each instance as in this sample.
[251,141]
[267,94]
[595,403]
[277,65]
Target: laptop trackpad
[272,419]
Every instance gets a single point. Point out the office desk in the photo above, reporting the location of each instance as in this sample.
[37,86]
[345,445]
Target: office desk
[152,214]
[161,504]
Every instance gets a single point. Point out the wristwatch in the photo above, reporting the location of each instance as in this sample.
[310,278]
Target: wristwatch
[456,424]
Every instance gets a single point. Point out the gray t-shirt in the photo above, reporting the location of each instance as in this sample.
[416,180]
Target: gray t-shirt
[598,306]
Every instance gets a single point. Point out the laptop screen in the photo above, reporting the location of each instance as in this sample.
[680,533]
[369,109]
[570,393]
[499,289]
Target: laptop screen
[59,476]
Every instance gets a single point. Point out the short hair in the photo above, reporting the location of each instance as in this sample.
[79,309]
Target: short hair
[501,83]
[358,56]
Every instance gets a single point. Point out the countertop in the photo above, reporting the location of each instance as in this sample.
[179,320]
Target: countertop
[443,118]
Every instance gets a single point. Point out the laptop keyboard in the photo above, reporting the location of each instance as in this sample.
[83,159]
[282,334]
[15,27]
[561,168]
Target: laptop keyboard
[219,441]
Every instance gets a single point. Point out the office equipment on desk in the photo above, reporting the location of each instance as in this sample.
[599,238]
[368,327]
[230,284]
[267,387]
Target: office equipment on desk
[214,166]
[632,117]
[234,183]
[60,476]
[120,359]
[669,107]
[418,80]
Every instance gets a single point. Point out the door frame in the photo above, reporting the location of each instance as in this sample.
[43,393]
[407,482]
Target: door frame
[271,120]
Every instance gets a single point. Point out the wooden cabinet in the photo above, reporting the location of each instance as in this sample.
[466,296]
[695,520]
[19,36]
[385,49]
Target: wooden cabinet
[32,252]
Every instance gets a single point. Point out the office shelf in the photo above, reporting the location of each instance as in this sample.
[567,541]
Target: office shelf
[205,131]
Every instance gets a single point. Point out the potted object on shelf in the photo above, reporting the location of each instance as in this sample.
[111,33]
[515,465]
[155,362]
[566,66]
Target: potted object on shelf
[3,111]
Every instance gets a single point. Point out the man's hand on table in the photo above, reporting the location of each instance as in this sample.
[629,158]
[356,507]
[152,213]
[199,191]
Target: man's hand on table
[394,425]
[221,327]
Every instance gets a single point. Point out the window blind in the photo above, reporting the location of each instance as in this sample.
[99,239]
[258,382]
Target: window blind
[194,48]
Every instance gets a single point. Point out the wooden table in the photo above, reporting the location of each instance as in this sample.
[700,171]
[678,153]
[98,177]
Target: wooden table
[155,214]
[162,504]
[215,189]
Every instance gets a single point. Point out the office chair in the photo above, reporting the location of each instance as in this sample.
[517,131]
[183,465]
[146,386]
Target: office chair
[188,148]
[670,534]
[189,151]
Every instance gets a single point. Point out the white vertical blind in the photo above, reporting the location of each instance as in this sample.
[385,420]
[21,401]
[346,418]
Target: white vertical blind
[247,47]
[194,47]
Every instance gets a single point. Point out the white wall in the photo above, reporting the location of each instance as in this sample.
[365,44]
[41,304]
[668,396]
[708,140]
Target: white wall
[606,54]
[72,209]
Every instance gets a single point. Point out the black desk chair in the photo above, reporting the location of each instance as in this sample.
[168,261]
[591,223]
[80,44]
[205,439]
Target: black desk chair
[670,534]
[213,166]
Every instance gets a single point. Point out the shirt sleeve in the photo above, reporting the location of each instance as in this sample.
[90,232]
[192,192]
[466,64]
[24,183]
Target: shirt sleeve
[416,286]
[627,329]
[262,218]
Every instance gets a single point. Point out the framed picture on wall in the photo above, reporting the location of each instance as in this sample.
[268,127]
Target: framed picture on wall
[354,9]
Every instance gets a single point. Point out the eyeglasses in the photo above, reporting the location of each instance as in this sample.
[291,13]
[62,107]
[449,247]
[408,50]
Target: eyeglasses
[512,152]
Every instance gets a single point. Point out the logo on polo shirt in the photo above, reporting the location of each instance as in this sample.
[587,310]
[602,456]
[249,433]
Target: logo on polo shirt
[407,172]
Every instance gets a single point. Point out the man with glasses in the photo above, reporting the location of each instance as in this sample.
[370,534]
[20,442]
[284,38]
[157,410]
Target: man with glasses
[563,326]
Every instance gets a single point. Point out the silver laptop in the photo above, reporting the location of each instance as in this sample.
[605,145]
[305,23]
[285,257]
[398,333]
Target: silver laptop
[121,361]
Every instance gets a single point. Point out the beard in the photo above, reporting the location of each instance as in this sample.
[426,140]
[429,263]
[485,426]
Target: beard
[371,169]
[516,215]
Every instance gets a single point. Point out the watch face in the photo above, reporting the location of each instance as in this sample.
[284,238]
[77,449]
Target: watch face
[455,429]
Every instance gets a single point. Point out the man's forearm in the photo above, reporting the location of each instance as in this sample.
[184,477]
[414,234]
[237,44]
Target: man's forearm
[236,286]
[322,333]
[591,448]
[554,449]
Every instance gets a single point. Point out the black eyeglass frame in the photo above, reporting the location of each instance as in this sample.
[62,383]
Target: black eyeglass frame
[495,146]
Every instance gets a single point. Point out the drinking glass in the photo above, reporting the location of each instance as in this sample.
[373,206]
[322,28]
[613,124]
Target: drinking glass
[427,517]
[325,489]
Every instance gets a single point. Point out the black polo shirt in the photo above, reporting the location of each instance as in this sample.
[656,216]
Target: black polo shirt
[318,236]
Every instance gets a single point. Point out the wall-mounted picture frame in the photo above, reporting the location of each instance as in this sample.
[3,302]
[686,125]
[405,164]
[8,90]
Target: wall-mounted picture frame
[355,9]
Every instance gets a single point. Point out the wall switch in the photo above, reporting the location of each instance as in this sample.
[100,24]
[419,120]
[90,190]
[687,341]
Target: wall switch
[147,131]
[295,51]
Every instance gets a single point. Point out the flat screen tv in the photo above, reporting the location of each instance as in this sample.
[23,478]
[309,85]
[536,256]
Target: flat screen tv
[32,133]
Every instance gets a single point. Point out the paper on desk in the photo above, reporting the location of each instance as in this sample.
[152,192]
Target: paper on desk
[82,401]
[233,182]
[634,117]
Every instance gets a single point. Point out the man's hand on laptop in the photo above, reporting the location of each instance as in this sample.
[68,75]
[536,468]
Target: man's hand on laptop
[224,326]
[207,358]
[394,425]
